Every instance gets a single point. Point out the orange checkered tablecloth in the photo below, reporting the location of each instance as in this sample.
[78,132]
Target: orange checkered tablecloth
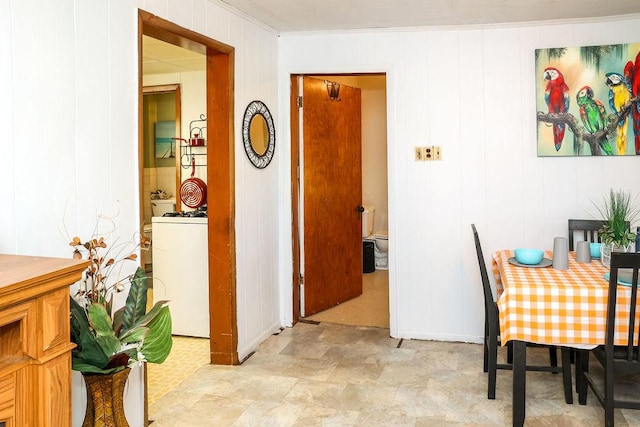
[549,306]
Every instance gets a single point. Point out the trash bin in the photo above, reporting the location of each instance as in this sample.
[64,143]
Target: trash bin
[368,256]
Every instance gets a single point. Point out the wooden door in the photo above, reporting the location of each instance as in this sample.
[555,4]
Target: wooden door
[332,195]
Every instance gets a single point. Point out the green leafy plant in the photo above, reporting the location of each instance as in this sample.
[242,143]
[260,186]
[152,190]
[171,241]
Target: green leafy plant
[108,341]
[619,211]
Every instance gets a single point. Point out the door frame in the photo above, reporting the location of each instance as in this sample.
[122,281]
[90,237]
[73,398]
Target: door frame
[296,172]
[295,191]
[220,175]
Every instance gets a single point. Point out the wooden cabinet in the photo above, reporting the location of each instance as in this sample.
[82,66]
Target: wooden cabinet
[35,346]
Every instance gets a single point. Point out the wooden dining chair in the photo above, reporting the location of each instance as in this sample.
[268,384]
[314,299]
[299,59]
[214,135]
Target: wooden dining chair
[588,227]
[492,338]
[616,361]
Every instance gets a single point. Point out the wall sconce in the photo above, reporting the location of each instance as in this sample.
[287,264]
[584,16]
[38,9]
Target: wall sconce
[333,90]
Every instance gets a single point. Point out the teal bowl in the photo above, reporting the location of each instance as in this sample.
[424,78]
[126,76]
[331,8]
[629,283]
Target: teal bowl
[595,250]
[529,256]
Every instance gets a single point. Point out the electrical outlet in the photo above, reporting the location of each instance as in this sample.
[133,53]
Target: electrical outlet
[437,152]
[428,153]
[419,154]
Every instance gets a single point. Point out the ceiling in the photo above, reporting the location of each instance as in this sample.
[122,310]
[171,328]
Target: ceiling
[324,15]
[159,57]
[328,15]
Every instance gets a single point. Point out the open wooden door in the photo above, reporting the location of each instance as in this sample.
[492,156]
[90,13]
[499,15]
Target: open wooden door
[332,193]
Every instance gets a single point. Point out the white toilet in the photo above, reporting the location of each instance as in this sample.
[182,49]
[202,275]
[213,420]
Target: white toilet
[382,250]
[158,208]
[381,238]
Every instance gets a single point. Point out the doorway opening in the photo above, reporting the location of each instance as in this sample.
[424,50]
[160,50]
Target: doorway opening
[220,229]
[161,107]
[372,307]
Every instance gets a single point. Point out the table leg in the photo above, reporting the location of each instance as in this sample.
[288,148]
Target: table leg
[519,382]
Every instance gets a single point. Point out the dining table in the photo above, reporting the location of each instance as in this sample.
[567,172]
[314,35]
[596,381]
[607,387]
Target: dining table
[544,305]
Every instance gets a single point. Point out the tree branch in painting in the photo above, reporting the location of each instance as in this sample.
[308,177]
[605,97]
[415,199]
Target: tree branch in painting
[581,136]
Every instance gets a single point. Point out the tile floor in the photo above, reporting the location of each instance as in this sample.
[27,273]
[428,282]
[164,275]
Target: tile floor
[337,375]
[188,353]
[369,309]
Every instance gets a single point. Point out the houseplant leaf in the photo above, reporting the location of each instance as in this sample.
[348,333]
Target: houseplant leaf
[157,344]
[146,319]
[88,356]
[619,211]
[135,334]
[136,304]
[101,322]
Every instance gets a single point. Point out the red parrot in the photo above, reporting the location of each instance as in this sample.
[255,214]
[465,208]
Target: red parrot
[632,74]
[556,95]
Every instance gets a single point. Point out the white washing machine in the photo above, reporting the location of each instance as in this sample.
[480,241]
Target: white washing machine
[181,272]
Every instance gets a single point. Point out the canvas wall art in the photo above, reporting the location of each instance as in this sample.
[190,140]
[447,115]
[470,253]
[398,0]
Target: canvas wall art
[587,100]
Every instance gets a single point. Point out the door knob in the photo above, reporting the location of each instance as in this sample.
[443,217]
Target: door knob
[360,210]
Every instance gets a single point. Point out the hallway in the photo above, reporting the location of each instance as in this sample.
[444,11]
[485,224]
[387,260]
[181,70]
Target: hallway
[330,374]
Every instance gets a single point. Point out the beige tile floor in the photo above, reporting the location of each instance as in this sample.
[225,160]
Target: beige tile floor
[369,309]
[333,374]
[188,353]
[337,375]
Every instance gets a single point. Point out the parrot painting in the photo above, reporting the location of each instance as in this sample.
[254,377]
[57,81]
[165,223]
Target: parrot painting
[632,74]
[556,95]
[619,94]
[593,115]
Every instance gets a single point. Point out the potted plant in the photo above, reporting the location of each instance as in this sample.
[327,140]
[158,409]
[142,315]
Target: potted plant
[108,342]
[619,211]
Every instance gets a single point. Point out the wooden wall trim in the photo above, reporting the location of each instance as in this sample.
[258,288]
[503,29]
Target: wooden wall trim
[295,163]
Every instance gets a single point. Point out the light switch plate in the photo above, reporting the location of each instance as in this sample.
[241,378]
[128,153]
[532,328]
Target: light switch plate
[437,153]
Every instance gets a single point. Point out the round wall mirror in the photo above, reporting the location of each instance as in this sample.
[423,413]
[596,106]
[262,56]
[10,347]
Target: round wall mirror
[258,134]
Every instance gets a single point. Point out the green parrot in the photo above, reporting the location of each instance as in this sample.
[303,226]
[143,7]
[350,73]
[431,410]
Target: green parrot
[593,116]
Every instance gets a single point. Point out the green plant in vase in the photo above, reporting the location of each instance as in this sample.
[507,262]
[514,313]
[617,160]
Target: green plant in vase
[109,342]
[619,210]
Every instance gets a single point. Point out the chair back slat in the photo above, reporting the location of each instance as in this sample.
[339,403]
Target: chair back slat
[623,261]
[632,316]
[489,311]
[588,227]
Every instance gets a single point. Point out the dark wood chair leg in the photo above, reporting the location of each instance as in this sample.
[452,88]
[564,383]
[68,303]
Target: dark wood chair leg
[608,395]
[582,366]
[566,375]
[553,357]
[486,346]
[492,362]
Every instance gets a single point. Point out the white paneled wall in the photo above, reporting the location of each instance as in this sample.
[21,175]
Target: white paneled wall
[471,91]
[69,116]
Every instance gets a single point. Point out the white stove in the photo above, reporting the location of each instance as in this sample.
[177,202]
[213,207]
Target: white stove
[181,272]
